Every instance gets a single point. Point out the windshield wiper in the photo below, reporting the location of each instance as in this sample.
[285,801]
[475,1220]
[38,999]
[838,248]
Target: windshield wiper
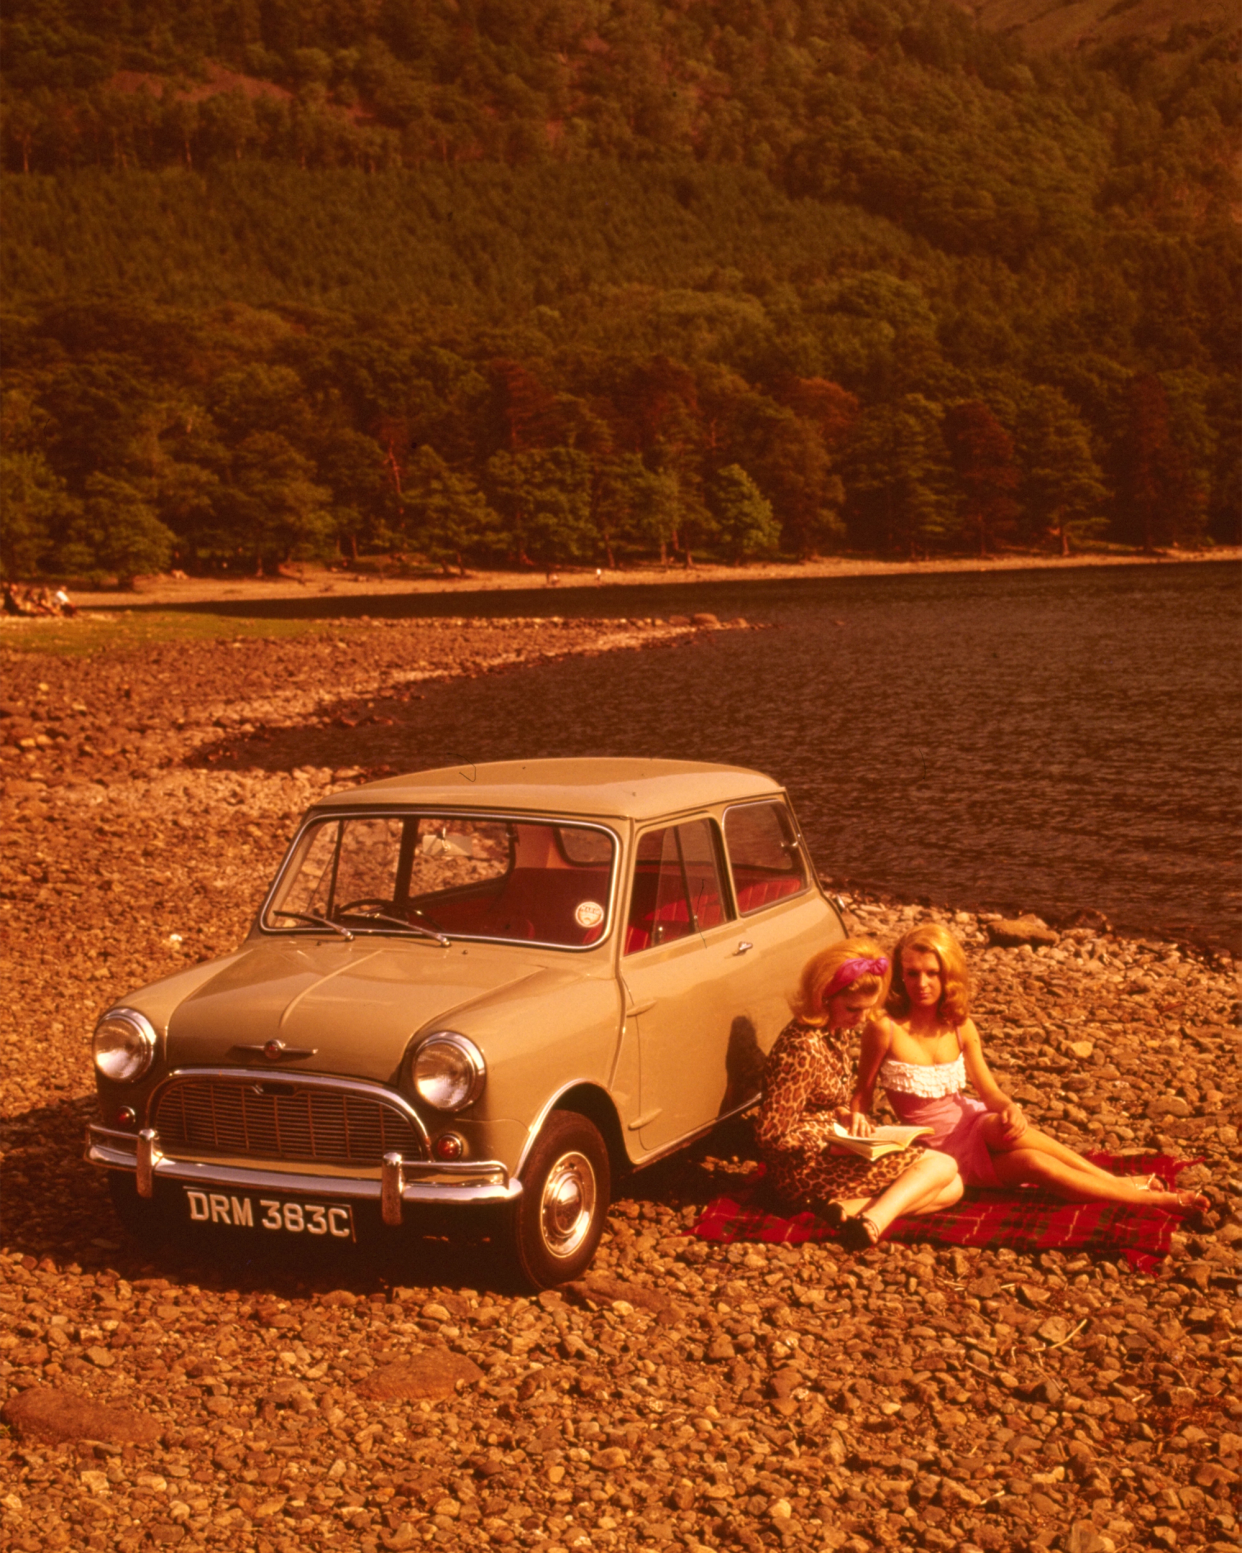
[413,927]
[309,916]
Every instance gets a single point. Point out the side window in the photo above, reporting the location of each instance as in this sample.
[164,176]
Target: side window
[677,886]
[765,857]
[699,858]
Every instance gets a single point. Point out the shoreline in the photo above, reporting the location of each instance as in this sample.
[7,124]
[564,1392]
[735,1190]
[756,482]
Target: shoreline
[265,705]
[315,583]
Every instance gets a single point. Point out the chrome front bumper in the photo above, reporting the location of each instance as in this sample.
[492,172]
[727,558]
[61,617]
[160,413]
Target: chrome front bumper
[400,1181]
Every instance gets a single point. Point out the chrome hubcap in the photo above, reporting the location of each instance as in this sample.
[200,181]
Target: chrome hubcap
[568,1204]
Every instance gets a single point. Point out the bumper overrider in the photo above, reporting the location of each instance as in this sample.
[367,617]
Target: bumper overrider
[397,1181]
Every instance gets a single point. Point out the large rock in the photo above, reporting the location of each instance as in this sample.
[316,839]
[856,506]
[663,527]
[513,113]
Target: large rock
[604,1289]
[432,1375]
[1012,932]
[58,1415]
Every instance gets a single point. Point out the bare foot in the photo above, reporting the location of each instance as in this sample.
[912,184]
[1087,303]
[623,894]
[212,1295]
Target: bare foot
[1178,1202]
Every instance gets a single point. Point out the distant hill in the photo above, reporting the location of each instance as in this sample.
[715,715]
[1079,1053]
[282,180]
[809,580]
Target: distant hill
[1043,26]
[556,282]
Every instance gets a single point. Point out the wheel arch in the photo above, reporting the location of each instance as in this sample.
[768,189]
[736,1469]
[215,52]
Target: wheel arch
[592,1102]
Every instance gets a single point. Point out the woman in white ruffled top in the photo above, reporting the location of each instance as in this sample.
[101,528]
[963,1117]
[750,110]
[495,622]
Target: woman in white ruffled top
[923,1052]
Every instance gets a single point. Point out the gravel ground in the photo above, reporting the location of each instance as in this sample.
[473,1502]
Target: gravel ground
[682,1395]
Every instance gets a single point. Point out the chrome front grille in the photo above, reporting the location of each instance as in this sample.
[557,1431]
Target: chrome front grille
[282,1119]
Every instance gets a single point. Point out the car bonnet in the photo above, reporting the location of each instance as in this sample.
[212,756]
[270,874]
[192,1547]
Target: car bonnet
[340,1008]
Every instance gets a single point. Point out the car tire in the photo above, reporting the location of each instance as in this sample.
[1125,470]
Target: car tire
[560,1215]
[147,1222]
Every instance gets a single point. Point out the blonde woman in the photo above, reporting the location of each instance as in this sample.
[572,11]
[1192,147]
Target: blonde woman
[806,1088]
[923,1052]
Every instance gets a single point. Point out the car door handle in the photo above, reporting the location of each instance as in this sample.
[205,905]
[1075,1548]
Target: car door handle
[640,1008]
[743,947]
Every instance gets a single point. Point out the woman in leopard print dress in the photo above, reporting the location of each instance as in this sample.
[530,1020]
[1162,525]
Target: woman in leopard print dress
[807,1084]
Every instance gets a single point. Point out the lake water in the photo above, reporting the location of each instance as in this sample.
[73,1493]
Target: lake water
[1045,740]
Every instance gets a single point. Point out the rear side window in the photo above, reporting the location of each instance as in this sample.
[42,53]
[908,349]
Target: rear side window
[677,886]
[764,854]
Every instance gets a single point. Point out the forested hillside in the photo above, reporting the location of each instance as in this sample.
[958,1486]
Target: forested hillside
[588,280]
[1111,29]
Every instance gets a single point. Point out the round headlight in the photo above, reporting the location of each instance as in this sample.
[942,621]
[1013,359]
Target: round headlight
[124,1045]
[448,1072]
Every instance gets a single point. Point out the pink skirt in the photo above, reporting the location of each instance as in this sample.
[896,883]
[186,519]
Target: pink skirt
[957,1130]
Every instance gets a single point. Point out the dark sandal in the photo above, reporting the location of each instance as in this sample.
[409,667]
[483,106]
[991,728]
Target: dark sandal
[833,1213]
[859,1233]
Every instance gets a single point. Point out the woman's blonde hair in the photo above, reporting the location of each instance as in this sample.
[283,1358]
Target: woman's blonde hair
[933,938]
[819,973]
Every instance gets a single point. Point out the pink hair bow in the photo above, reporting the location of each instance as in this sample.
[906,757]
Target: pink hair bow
[849,973]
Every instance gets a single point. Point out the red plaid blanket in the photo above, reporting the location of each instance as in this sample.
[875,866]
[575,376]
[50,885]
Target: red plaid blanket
[1025,1219]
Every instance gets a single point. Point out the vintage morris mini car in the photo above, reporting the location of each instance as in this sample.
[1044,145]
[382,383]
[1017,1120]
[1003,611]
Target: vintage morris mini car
[496,985]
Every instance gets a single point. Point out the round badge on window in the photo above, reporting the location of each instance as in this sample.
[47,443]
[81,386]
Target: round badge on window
[589,914]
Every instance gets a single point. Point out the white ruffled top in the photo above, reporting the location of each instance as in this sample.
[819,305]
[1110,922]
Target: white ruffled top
[928,1080]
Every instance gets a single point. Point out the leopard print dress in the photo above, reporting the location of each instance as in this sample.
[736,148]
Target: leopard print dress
[807,1076]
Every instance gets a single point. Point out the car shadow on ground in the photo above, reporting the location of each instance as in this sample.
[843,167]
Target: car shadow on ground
[59,1214]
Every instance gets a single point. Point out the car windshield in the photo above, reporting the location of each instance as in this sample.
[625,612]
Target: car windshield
[448,875]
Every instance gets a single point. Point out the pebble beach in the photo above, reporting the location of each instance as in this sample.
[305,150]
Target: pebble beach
[683,1394]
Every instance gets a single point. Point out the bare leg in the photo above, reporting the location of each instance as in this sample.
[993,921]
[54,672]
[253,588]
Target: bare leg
[931,1183]
[1033,1138]
[1034,1166]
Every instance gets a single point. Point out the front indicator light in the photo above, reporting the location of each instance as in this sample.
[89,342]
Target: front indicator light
[124,1045]
[448,1146]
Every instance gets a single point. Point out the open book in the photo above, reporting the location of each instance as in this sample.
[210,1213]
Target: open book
[884,1140]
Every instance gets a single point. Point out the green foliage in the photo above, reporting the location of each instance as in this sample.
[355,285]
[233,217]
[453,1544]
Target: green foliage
[564,283]
[544,495]
[37,510]
[744,521]
[896,477]
[116,531]
[981,451]
[449,516]
[1062,489]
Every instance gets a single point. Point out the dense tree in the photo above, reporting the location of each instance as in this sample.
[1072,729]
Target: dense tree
[273,510]
[743,517]
[116,531]
[37,511]
[449,517]
[528,280]
[545,497]
[1062,492]
[896,471]
[981,452]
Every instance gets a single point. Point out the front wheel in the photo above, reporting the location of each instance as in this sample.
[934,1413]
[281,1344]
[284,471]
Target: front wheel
[565,1194]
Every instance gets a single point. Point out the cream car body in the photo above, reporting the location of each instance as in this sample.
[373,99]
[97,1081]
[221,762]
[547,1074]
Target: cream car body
[549,972]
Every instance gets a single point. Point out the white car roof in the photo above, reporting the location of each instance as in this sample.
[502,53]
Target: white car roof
[603,788]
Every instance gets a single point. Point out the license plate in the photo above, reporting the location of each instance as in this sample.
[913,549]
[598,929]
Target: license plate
[330,1221]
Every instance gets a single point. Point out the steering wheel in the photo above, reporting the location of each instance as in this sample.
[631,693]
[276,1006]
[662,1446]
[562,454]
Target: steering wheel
[381,904]
[365,900]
